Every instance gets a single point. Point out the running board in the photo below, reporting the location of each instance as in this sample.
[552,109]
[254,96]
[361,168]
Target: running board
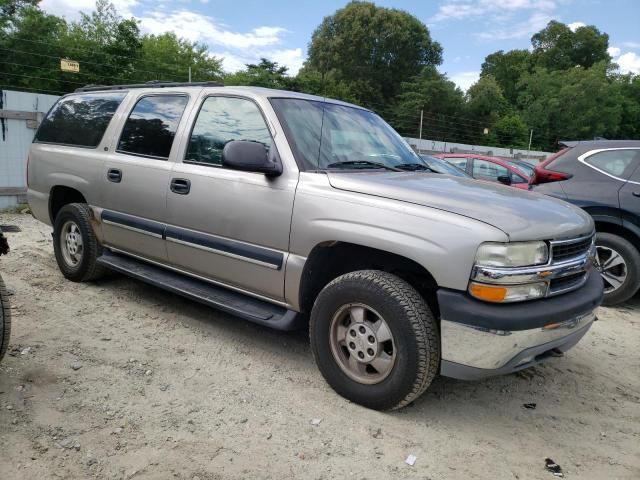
[235,303]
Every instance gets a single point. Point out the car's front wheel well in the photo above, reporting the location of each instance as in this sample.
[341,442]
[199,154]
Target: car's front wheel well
[60,196]
[621,231]
[330,260]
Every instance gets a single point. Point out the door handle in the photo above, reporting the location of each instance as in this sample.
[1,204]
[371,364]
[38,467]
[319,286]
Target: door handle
[181,186]
[114,175]
[635,194]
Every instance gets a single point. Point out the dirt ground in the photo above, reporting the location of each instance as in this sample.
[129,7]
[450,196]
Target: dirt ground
[120,380]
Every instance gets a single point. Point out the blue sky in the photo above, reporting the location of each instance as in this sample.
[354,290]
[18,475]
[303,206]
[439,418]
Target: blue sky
[242,31]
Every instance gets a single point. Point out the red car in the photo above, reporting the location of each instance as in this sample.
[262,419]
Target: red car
[492,169]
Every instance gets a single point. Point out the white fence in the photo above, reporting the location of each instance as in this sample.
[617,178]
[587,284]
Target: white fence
[433,146]
[20,115]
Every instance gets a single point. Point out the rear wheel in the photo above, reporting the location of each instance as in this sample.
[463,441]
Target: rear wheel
[5,319]
[618,261]
[374,339]
[75,245]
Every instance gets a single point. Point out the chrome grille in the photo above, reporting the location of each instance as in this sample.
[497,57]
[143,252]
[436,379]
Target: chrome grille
[566,250]
[561,284]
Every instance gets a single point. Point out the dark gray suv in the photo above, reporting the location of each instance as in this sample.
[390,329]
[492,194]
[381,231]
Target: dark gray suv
[603,178]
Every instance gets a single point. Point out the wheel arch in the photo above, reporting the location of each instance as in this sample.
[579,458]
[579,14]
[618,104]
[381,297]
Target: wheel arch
[61,195]
[331,259]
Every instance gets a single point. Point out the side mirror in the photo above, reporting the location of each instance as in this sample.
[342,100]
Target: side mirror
[251,157]
[505,179]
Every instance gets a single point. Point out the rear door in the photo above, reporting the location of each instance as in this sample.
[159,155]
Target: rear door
[135,175]
[629,194]
[599,176]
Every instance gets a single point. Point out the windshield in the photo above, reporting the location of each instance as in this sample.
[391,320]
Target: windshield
[442,166]
[326,136]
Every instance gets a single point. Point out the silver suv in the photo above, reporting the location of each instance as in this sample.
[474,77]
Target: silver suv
[291,210]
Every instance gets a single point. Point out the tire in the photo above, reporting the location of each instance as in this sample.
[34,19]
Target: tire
[605,244]
[414,346]
[5,319]
[88,249]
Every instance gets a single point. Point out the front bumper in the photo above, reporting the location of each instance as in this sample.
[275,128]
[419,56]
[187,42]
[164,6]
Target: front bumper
[481,340]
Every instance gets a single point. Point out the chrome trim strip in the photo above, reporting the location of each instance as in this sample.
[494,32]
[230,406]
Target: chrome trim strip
[133,229]
[531,274]
[582,159]
[199,277]
[226,254]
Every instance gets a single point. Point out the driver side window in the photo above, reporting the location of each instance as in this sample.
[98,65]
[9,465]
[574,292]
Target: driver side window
[221,120]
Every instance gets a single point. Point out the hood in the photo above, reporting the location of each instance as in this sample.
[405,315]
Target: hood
[520,214]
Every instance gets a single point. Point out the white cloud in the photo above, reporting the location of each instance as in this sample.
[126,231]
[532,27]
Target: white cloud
[466,9]
[502,19]
[629,63]
[634,45]
[613,51]
[70,9]
[196,27]
[291,58]
[526,28]
[465,79]
[576,25]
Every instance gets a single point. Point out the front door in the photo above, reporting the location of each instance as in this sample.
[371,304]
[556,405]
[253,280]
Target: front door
[136,176]
[231,226]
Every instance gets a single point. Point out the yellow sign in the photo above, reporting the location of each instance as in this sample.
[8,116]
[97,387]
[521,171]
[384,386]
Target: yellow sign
[69,65]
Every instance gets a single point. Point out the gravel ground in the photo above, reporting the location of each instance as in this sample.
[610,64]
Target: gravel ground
[120,380]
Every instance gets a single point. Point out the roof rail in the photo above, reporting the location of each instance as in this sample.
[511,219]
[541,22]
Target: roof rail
[150,84]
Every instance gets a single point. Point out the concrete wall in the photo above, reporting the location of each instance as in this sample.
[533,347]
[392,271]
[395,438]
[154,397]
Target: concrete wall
[433,146]
[15,139]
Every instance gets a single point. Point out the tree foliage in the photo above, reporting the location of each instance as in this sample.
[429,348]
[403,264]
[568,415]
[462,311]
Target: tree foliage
[564,87]
[372,49]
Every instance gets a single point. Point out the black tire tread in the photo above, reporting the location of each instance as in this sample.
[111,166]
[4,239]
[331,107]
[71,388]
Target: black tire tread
[93,249]
[420,317]
[5,319]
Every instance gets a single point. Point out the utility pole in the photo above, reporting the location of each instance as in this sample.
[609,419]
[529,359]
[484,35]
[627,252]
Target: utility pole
[421,113]
[189,74]
[530,138]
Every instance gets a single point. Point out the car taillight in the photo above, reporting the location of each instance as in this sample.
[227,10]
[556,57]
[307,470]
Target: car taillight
[542,174]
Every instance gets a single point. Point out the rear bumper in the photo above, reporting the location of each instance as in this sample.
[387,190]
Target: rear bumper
[481,340]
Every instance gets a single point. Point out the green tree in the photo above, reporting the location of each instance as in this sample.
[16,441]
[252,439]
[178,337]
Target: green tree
[372,49]
[507,68]
[263,74]
[433,94]
[509,131]
[577,103]
[167,57]
[485,100]
[556,47]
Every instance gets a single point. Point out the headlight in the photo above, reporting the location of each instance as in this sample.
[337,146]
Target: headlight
[517,254]
[507,293]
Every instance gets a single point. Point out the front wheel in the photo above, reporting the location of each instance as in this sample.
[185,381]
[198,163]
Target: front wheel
[618,261]
[374,339]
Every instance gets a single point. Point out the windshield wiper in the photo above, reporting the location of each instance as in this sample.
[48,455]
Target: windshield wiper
[414,166]
[365,163]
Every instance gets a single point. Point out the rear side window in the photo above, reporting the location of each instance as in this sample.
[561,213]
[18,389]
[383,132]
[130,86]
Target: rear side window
[619,163]
[460,162]
[151,126]
[79,120]
[488,170]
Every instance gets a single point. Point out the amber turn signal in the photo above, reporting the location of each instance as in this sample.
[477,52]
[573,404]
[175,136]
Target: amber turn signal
[488,293]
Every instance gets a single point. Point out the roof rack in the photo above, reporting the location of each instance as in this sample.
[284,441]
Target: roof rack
[150,84]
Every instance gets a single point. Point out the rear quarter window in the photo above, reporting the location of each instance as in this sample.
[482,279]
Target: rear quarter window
[619,163]
[79,120]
